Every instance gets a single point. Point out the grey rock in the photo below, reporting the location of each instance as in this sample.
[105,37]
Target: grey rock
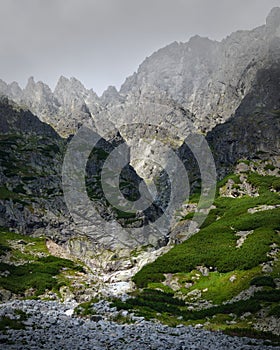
[78,334]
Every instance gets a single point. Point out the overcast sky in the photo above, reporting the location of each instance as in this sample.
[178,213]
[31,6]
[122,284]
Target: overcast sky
[101,42]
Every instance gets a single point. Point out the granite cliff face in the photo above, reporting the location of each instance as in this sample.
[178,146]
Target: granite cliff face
[254,130]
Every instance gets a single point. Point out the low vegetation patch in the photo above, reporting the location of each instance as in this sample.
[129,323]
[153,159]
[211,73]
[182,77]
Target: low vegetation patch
[263,281]
[168,287]
[13,323]
[215,244]
[27,265]
[86,309]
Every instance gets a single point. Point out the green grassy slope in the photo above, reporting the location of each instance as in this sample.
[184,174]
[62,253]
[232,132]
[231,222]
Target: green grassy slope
[28,270]
[176,289]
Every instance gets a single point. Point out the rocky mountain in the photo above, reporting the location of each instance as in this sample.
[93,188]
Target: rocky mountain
[210,78]
[179,90]
[184,86]
[65,108]
[106,180]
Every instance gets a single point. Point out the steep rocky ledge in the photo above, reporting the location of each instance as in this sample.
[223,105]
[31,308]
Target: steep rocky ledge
[254,130]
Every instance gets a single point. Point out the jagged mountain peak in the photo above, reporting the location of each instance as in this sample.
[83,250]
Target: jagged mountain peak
[38,86]
[14,86]
[62,79]
[30,81]
[273,18]
[198,40]
[69,83]
[110,95]
[13,90]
